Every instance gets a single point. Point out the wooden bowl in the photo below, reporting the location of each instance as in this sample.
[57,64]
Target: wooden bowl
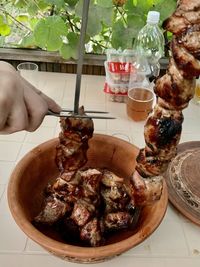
[37,168]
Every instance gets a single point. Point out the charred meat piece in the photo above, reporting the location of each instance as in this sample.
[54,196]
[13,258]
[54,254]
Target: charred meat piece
[91,183]
[146,191]
[72,163]
[82,207]
[191,40]
[188,5]
[110,179]
[174,90]
[91,233]
[117,220]
[82,212]
[162,133]
[53,210]
[115,198]
[176,24]
[186,15]
[71,152]
[185,60]
[114,192]
[66,191]
[150,166]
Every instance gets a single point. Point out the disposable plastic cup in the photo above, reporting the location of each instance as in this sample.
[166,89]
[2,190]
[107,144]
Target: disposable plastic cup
[139,103]
[29,71]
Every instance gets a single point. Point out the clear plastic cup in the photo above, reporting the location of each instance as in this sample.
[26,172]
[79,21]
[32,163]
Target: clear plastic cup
[29,71]
[139,103]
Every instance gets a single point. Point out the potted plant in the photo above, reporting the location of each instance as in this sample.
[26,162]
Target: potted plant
[54,25]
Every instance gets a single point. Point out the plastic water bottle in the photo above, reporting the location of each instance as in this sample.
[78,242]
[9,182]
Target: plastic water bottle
[150,42]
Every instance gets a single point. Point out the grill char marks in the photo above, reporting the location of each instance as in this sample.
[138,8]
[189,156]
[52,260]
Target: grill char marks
[174,90]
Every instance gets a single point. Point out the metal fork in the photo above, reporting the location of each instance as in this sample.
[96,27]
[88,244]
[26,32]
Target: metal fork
[75,112]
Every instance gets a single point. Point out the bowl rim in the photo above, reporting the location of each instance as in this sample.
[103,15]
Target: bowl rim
[60,248]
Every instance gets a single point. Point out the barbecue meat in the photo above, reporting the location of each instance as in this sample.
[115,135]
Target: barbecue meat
[82,212]
[53,210]
[91,233]
[117,220]
[174,91]
[74,137]
[87,204]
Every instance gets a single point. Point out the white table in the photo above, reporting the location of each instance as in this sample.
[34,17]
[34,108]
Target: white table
[175,243]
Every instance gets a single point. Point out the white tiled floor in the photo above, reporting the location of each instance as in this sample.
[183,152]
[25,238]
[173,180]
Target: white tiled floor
[40,135]
[2,188]
[175,243]
[9,150]
[5,171]
[12,238]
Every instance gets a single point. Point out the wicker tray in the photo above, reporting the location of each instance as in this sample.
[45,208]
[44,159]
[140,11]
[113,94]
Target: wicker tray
[183,180]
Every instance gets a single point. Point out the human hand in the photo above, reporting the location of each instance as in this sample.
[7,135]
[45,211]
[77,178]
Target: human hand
[22,106]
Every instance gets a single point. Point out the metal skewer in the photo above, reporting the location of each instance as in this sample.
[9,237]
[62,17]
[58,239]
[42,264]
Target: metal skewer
[86,4]
[86,111]
[75,112]
[68,115]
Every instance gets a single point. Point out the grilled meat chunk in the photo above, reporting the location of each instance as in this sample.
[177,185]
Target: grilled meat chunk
[53,210]
[91,233]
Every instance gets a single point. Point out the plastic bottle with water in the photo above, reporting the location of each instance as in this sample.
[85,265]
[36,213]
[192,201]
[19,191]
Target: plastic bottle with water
[150,42]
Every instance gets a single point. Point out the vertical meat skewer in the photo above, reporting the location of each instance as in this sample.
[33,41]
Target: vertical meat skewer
[174,91]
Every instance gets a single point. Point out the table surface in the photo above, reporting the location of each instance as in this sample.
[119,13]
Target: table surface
[175,243]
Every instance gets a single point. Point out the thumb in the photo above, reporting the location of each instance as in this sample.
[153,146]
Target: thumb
[52,105]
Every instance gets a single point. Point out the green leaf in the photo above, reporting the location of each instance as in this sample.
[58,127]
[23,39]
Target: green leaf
[122,37]
[136,22]
[33,22]
[105,3]
[4,28]
[140,7]
[28,41]
[48,33]
[67,51]
[131,7]
[32,8]
[22,18]
[78,9]
[144,6]
[20,3]
[1,19]
[166,8]
[42,5]
[97,49]
[97,15]
[71,3]
[73,38]
[58,3]
[70,50]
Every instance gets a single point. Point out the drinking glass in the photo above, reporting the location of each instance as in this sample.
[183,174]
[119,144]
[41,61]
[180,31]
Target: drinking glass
[139,103]
[29,71]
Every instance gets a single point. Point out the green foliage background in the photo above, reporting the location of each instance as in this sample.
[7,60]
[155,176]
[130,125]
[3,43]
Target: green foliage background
[54,25]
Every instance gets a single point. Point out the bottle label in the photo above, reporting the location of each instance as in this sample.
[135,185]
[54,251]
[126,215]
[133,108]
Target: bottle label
[120,67]
[115,90]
